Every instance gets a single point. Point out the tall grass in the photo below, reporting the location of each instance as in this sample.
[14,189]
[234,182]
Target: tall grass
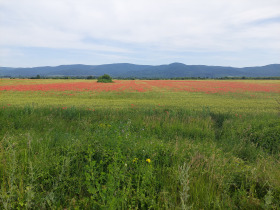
[138,158]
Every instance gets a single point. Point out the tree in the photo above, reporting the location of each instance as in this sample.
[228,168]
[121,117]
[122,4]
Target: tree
[105,79]
[90,77]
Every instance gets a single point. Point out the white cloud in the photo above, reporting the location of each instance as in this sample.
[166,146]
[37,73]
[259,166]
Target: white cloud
[121,25]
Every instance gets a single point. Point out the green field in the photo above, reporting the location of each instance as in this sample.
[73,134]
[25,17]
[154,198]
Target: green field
[159,149]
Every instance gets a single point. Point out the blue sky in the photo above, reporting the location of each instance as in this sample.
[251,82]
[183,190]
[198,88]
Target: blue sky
[217,32]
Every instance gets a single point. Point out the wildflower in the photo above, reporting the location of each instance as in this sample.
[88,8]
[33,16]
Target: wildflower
[135,160]
[148,160]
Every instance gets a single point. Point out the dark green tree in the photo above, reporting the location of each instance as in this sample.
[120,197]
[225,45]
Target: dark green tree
[105,79]
[90,77]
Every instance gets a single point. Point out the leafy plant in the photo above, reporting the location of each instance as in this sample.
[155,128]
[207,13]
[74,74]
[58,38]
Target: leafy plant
[105,79]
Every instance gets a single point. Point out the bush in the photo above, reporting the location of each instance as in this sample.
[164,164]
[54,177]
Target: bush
[91,77]
[105,79]
[268,138]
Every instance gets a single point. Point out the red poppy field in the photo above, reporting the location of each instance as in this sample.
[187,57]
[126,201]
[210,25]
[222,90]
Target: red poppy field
[150,85]
[221,96]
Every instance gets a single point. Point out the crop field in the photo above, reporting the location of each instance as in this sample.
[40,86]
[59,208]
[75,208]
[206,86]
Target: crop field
[235,96]
[139,144]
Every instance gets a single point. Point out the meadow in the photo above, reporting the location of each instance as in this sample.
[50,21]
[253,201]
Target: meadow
[139,144]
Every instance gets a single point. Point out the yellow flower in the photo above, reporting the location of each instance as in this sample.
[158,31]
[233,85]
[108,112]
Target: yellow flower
[103,125]
[148,160]
[135,160]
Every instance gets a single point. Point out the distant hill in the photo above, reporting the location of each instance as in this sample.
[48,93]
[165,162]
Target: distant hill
[126,70]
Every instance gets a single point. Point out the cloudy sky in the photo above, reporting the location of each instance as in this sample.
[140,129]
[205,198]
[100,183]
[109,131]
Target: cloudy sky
[208,32]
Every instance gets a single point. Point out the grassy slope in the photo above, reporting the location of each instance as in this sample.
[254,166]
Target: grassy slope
[206,151]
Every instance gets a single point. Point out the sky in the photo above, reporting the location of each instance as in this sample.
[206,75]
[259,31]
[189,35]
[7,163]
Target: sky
[234,33]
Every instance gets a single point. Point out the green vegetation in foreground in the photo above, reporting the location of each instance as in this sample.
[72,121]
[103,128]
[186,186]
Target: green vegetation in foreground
[157,158]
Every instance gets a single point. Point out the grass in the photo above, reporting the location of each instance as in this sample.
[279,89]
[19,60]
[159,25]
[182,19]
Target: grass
[132,150]
[235,103]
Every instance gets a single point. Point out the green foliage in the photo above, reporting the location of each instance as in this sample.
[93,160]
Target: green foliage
[105,79]
[128,150]
[91,77]
[37,77]
[148,158]
[266,135]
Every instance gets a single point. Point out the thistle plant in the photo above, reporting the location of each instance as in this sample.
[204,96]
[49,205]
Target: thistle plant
[184,182]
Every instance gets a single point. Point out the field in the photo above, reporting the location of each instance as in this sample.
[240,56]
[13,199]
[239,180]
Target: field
[139,144]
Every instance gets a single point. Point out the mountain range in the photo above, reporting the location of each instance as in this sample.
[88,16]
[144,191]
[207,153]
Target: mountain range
[126,70]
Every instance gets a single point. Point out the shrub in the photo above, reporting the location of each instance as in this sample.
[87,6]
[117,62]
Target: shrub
[91,77]
[105,79]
